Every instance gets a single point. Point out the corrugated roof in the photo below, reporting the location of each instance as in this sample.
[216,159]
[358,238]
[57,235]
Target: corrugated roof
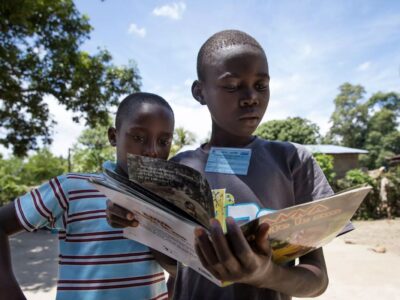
[333,149]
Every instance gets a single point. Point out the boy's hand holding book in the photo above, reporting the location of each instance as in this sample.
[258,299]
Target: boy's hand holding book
[119,217]
[230,257]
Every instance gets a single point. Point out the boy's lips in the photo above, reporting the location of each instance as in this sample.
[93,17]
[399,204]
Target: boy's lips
[250,120]
[249,117]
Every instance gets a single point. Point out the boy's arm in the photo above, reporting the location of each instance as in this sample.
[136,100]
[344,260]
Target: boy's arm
[119,217]
[9,224]
[166,262]
[231,258]
[307,279]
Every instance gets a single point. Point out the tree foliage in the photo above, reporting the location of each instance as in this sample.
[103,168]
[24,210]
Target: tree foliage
[42,166]
[181,138]
[297,130]
[371,124]
[40,56]
[17,176]
[325,162]
[11,184]
[369,207]
[92,149]
[349,120]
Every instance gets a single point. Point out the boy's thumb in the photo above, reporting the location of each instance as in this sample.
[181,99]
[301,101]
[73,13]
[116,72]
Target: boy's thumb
[262,240]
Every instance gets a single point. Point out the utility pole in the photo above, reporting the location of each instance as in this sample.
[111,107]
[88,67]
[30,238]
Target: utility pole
[69,161]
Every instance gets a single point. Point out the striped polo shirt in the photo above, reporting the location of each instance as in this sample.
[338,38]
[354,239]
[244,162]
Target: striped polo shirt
[95,260]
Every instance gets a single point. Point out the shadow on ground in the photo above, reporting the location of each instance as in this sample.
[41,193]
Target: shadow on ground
[35,261]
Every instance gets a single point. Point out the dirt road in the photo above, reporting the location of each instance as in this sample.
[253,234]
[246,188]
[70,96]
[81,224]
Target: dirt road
[356,270]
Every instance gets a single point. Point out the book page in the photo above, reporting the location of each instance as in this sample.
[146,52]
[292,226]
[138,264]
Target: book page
[184,187]
[159,229]
[297,230]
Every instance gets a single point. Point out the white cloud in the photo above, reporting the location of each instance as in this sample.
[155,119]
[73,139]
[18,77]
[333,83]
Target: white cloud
[188,82]
[136,30]
[195,119]
[364,66]
[65,132]
[188,113]
[173,11]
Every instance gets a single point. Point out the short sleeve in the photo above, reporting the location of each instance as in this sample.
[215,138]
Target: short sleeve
[309,182]
[44,206]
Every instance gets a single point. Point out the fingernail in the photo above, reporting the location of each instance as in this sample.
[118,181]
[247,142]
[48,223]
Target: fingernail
[198,232]
[129,216]
[134,223]
[214,223]
[230,221]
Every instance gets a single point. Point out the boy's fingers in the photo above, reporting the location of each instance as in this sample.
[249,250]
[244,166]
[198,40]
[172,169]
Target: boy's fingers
[222,248]
[238,242]
[119,211]
[262,240]
[207,250]
[118,222]
[204,261]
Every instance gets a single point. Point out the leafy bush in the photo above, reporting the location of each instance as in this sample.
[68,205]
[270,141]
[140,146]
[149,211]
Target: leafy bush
[325,162]
[17,175]
[370,208]
[11,185]
[10,189]
[393,193]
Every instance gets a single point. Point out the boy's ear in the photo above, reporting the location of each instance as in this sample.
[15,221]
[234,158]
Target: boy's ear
[197,92]
[112,136]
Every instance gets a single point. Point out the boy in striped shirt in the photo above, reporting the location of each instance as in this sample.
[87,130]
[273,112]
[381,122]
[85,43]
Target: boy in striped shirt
[95,261]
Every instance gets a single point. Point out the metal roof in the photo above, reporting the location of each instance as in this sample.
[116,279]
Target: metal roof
[334,149]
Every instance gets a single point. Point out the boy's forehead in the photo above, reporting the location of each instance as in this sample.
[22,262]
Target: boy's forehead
[237,55]
[146,110]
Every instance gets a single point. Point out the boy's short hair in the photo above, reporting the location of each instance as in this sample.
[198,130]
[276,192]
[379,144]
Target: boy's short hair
[222,40]
[127,106]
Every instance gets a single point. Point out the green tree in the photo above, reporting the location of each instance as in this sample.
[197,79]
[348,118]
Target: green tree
[92,149]
[42,166]
[181,138]
[349,120]
[382,138]
[369,207]
[390,101]
[325,162]
[297,130]
[11,185]
[367,124]
[40,56]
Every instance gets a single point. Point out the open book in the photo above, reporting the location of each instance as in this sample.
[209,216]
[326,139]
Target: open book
[169,200]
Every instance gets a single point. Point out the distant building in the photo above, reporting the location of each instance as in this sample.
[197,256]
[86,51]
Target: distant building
[394,161]
[344,158]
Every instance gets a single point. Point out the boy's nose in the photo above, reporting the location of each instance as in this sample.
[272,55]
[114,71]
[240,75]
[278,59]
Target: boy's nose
[249,98]
[150,150]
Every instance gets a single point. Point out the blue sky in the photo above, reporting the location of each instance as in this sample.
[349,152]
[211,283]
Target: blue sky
[312,47]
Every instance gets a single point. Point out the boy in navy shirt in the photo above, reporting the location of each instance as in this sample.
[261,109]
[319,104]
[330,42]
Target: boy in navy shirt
[233,81]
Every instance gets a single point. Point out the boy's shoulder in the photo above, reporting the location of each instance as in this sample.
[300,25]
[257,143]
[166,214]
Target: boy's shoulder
[288,149]
[68,181]
[278,151]
[191,158]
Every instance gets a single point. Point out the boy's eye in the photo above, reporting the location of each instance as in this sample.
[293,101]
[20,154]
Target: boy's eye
[261,86]
[230,87]
[165,142]
[138,138]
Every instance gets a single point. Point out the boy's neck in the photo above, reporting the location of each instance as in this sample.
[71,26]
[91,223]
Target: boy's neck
[226,140]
